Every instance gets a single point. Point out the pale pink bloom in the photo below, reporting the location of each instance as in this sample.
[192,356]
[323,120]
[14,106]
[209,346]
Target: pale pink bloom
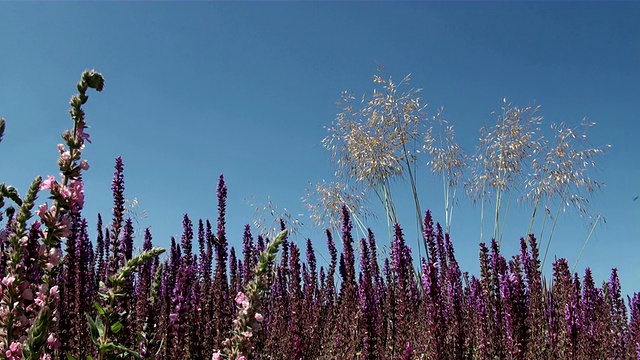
[242,300]
[65,192]
[42,209]
[64,225]
[60,148]
[84,164]
[45,357]
[259,317]
[55,254]
[40,299]
[82,135]
[8,280]
[52,342]
[66,156]
[241,357]
[48,183]
[246,334]
[54,293]
[217,355]
[15,351]
[77,195]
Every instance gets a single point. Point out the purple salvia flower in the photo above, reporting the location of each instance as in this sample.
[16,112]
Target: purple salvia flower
[234,282]
[634,323]
[589,304]
[248,250]
[117,188]
[260,245]
[201,249]
[127,240]
[187,238]
[617,316]
[429,235]
[407,354]
[505,294]
[572,318]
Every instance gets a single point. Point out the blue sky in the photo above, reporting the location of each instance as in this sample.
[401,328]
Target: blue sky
[245,89]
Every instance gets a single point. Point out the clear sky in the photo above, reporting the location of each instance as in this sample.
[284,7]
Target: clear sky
[245,89]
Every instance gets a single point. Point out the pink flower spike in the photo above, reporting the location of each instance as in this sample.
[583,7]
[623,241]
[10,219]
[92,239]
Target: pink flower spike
[217,355]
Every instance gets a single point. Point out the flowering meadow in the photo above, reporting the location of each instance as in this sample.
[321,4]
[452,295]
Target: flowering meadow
[65,295]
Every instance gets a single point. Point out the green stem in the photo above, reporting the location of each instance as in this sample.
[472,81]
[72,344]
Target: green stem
[585,243]
[555,222]
[416,202]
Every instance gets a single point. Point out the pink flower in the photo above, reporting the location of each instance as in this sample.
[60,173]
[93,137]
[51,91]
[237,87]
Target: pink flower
[217,355]
[242,300]
[82,135]
[259,317]
[246,334]
[42,209]
[55,254]
[84,165]
[54,293]
[241,357]
[40,300]
[60,148]
[47,184]
[77,195]
[52,342]
[14,352]
[8,280]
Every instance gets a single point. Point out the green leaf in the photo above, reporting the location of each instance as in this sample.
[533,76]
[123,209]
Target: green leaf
[108,347]
[116,327]
[100,327]
[98,307]
[94,329]
[127,350]
[70,357]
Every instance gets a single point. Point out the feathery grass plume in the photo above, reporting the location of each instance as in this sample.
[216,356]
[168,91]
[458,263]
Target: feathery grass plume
[501,159]
[563,173]
[269,216]
[447,160]
[325,202]
[374,144]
